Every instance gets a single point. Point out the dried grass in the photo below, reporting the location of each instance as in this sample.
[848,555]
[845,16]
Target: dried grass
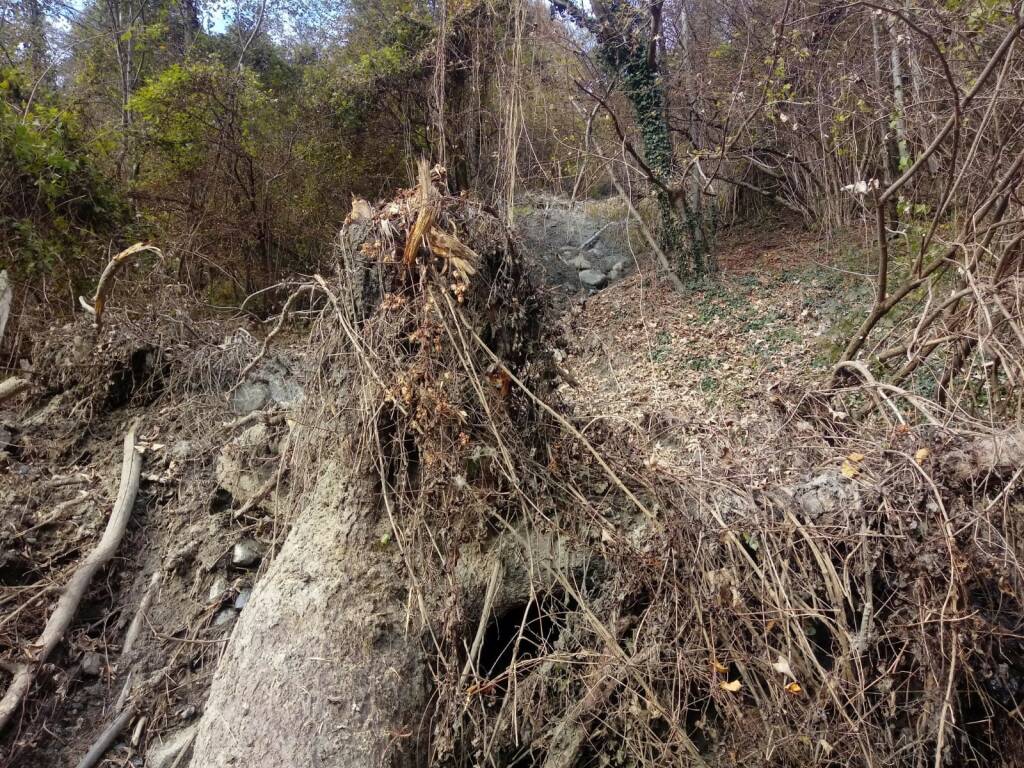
[799,590]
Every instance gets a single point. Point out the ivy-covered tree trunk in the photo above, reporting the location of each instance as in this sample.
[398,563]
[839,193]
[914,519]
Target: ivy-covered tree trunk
[686,230]
[35,43]
[627,37]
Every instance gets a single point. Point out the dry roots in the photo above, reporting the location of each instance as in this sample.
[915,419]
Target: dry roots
[830,601]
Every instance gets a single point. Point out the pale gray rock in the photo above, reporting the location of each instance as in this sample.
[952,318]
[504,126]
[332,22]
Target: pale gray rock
[593,279]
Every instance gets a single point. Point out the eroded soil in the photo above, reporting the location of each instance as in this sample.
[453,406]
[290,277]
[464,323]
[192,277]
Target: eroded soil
[635,347]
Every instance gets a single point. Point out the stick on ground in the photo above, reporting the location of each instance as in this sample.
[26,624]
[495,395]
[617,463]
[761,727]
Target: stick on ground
[111,732]
[135,628]
[67,605]
[11,387]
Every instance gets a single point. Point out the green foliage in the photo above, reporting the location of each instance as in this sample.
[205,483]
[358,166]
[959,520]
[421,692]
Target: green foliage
[396,50]
[256,165]
[385,36]
[660,352]
[55,205]
[209,140]
[186,114]
[274,70]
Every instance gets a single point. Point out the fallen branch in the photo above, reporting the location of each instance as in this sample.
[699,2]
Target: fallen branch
[56,514]
[594,237]
[64,613]
[135,628]
[645,230]
[6,296]
[662,258]
[11,387]
[485,618]
[185,749]
[111,732]
[99,299]
[877,390]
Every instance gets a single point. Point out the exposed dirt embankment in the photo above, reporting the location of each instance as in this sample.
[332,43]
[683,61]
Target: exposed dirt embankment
[152,621]
[434,523]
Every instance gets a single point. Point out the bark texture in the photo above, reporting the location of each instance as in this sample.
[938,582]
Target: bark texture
[320,670]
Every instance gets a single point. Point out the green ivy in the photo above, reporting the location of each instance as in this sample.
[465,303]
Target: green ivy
[690,240]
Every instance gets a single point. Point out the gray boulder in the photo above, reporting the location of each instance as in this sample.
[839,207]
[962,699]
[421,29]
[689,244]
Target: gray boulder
[593,279]
[239,469]
[246,553]
[250,396]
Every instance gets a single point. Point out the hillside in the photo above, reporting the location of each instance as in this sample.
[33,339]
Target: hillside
[556,384]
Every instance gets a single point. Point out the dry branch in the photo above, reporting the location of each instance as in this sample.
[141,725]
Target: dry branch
[99,299]
[67,605]
[135,628]
[6,295]
[485,617]
[11,387]
[269,417]
[106,738]
[270,336]
[663,261]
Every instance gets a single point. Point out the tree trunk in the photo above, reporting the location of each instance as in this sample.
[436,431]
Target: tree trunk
[36,39]
[328,663]
[685,61]
[917,80]
[319,670]
[684,228]
[630,48]
[899,102]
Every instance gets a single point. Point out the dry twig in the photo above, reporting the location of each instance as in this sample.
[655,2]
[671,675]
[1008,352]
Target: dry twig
[67,604]
[103,287]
